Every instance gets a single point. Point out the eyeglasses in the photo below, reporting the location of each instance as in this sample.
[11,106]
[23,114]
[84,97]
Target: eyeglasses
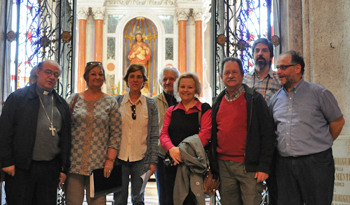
[133,114]
[50,72]
[284,67]
[94,63]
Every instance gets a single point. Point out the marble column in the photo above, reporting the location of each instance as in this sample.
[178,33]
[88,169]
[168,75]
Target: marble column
[182,16]
[98,13]
[291,25]
[83,13]
[198,17]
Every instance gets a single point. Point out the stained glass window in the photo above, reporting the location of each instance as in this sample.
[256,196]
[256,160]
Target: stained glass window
[38,31]
[238,24]
[259,14]
[24,21]
[248,21]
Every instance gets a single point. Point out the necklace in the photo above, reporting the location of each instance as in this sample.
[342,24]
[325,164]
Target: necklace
[92,97]
[51,128]
[97,97]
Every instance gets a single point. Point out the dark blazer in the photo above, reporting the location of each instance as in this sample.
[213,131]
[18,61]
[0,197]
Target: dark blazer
[18,124]
[260,134]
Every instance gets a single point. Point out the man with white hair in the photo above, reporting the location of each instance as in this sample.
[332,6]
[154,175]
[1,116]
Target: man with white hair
[164,100]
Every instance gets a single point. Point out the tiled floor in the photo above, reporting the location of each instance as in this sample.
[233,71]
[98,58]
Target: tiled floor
[151,196]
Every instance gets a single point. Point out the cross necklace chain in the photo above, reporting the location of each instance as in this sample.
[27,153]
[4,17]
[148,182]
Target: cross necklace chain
[51,128]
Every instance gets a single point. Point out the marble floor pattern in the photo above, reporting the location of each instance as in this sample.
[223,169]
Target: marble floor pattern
[151,195]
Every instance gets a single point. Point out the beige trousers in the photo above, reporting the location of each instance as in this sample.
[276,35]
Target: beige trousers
[238,187]
[75,185]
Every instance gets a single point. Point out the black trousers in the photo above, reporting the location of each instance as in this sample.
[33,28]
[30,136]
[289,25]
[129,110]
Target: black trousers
[170,176]
[306,179]
[161,181]
[272,181]
[36,186]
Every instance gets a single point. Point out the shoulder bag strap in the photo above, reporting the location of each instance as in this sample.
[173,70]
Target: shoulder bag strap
[74,101]
[199,118]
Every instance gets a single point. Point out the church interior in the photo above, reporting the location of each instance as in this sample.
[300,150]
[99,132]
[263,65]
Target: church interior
[191,35]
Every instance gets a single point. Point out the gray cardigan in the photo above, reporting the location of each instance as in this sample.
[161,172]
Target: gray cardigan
[190,172]
[151,156]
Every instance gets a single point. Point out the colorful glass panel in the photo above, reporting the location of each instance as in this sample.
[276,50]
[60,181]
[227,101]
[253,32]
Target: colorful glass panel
[238,24]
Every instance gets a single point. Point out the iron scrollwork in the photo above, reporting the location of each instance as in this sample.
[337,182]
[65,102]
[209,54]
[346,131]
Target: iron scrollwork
[45,30]
[237,25]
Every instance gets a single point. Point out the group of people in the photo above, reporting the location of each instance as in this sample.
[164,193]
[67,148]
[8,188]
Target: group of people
[264,126]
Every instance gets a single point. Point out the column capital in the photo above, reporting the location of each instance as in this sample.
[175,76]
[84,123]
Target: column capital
[200,14]
[182,13]
[98,12]
[83,12]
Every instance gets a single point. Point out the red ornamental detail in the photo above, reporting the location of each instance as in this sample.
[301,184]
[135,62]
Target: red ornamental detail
[249,11]
[29,35]
[251,37]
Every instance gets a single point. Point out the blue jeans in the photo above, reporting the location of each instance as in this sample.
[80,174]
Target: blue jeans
[161,182]
[306,179]
[135,170]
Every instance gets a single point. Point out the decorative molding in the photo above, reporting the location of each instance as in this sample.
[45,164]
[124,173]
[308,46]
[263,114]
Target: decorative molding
[83,12]
[139,2]
[98,12]
[207,15]
[182,14]
[206,19]
[192,3]
[199,14]
[185,1]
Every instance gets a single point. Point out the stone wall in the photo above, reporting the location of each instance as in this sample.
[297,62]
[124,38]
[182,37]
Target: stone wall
[329,58]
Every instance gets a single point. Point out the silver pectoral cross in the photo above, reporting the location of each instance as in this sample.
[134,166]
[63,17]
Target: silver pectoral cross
[52,130]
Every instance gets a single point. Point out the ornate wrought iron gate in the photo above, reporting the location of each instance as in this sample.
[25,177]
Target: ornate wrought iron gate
[236,24]
[39,30]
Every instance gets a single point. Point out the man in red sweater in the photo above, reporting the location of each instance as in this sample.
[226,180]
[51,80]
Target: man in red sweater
[242,138]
